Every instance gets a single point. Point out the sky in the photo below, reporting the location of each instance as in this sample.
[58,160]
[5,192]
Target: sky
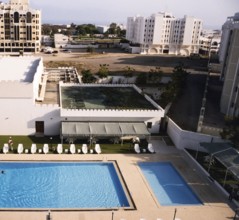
[103,12]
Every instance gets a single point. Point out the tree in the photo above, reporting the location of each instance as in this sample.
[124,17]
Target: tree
[115,30]
[87,76]
[128,71]
[142,78]
[231,131]
[90,49]
[155,75]
[103,71]
[85,29]
[174,88]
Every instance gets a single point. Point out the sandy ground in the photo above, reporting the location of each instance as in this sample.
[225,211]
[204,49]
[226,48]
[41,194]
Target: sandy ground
[118,60]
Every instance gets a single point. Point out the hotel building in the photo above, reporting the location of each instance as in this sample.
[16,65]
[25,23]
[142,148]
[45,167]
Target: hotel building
[162,33]
[229,57]
[20,28]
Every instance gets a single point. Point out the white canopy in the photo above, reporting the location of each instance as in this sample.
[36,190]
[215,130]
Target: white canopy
[96,129]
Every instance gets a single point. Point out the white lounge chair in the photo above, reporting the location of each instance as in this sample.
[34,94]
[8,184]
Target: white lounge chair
[5,148]
[151,148]
[136,148]
[72,148]
[97,149]
[20,148]
[84,149]
[59,148]
[33,148]
[45,148]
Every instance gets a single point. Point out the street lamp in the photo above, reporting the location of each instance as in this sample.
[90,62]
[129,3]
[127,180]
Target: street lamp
[51,142]
[112,215]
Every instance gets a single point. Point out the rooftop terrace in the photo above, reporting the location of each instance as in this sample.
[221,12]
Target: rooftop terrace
[104,97]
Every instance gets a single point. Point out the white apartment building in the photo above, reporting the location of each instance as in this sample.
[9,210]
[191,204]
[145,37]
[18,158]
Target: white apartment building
[162,33]
[60,40]
[20,28]
[229,57]
[210,41]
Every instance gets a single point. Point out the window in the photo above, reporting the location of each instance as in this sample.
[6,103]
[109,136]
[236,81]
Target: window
[16,17]
[29,17]
[149,124]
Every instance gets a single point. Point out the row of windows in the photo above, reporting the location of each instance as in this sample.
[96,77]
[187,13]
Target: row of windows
[21,38]
[149,35]
[37,33]
[21,27]
[149,21]
[19,44]
[149,40]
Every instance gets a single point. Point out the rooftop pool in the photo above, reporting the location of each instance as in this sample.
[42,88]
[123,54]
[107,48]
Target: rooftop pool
[167,184]
[61,185]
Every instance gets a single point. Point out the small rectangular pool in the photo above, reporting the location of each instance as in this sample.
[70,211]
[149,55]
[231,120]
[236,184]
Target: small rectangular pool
[63,185]
[168,185]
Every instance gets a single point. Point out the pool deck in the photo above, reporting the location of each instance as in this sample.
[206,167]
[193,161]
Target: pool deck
[215,205]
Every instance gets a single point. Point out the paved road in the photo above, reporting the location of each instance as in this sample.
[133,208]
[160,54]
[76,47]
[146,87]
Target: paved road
[186,109]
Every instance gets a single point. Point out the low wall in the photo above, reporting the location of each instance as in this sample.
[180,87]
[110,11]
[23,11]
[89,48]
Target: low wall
[187,139]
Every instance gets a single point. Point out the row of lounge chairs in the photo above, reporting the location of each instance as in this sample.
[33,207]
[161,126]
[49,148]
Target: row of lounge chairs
[138,150]
[45,149]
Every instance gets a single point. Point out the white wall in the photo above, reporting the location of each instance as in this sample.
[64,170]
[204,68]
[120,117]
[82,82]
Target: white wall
[187,139]
[18,116]
[158,29]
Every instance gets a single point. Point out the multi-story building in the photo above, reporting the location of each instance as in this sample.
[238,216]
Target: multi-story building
[210,41]
[20,27]
[162,33]
[229,57]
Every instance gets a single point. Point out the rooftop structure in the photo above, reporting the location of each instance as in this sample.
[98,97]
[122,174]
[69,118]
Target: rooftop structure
[20,82]
[162,33]
[35,100]
[103,97]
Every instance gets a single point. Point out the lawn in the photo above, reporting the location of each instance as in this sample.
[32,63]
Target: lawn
[106,146]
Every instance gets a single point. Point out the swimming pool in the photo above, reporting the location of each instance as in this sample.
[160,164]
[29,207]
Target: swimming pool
[167,184]
[80,185]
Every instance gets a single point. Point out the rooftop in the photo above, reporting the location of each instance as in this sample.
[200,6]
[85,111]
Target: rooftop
[20,69]
[104,97]
[16,76]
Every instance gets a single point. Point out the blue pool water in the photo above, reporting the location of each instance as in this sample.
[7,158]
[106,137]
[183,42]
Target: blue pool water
[167,184]
[60,185]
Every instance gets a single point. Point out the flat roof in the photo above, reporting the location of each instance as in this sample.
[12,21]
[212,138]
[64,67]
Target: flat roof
[20,69]
[104,97]
[16,76]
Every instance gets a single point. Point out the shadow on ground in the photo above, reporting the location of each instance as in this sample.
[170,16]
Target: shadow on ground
[186,109]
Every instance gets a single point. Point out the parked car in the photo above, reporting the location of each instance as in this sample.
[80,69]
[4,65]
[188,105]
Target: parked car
[66,51]
[194,56]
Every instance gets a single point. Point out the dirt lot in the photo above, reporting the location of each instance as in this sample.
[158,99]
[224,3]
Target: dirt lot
[118,60]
